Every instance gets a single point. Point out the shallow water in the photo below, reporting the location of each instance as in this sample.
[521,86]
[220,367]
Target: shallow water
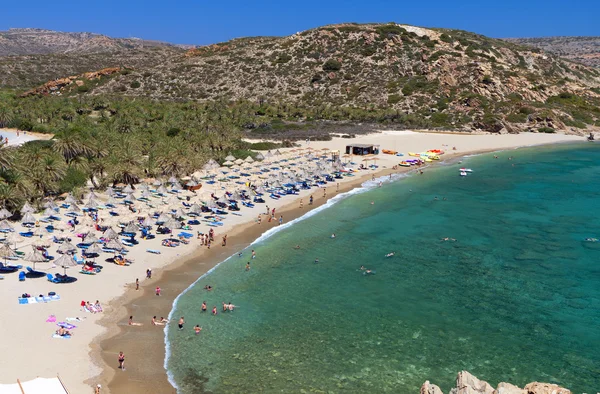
[515,298]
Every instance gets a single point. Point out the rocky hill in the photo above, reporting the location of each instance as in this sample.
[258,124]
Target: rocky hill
[44,42]
[585,50]
[417,77]
[30,57]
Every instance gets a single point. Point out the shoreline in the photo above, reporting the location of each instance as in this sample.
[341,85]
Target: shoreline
[180,274]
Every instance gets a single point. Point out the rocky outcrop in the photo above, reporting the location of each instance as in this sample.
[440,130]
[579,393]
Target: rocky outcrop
[469,384]
[55,87]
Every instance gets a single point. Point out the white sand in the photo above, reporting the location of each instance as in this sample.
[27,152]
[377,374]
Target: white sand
[31,351]
[23,137]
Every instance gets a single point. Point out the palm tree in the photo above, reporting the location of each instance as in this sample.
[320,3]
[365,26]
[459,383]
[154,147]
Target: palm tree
[6,116]
[9,197]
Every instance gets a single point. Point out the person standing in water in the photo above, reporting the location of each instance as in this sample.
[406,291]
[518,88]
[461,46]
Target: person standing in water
[197,329]
[121,361]
[181,323]
[310,200]
[253,254]
[248,266]
[280,220]
[203,306]
[214,311]
[137,284]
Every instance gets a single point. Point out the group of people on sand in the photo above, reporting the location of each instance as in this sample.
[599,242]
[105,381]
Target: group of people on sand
[206,239]
[92,308]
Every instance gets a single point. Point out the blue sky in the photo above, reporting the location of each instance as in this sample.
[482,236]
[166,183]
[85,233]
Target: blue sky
[210,21]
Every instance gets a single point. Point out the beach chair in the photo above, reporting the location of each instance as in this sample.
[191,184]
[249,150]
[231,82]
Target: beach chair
[21,276]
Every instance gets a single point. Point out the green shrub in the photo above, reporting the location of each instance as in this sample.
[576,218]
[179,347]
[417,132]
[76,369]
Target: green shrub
[517,118]
[439,119]
[332,65]
[393,99]
[173,131]
[545,129]
[73,178]
[446,38]
[390,30]
[83,88]
[487,80]
[135,84]
[369,51]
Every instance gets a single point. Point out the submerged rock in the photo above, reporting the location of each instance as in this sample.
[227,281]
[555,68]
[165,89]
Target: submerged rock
[469,384]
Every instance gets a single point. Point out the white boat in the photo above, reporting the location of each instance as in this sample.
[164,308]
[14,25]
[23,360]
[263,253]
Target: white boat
[463,173]
[466,170]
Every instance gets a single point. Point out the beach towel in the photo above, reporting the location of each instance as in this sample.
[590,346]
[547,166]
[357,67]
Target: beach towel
[75,318]
[67,326]
[61,337]
[51,319]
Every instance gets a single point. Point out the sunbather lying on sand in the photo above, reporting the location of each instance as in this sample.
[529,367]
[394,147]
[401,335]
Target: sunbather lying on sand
[131,323]
[63,332]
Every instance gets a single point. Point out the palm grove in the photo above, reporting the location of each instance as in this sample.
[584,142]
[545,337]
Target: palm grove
[104,142]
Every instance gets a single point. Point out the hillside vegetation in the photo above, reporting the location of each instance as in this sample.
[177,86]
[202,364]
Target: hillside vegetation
[398,74]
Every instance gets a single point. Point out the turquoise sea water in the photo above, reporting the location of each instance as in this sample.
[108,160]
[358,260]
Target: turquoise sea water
[516,298]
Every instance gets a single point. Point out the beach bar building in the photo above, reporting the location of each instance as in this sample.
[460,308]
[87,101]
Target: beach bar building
[362,149]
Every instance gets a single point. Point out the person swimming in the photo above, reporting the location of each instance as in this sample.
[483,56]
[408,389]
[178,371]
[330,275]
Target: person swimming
[362,268]
[390,254]
[297,247]
[316,261]
[333,235]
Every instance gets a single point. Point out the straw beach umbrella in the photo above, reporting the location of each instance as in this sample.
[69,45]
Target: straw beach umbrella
[115,244]
[35,256]
[7,252]
[65,261]
[70,199]
[66,248]
[6,226]
[230,158]
[27,208]
[109,233]
[28,218]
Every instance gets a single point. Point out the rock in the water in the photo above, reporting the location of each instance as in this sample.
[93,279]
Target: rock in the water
[545,388]
[469,384]
[428,388]
[507,388]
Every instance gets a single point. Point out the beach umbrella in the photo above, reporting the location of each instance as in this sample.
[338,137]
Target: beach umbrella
[50,204]
[228,163]
[6,226]
[70,199]
[91,239]
[110,191]
[114,244]
[127,189]
[131,228]
[179,213]
[230,158]
[172,224]
[91,204]
[109,233]
[157,182]
[5,213]
[13,238]
[236,196]
[260,156]
[91,195]
[249,159]
[191,183]
[67,247]
[176,186]
[162,218]
[35,256]
[27,209]
[148,222]
[73,208]
[7,252]
[93,251]
[277,153]
[28,218]
[195,209]
[143,187]
[49,211]
[239,161]
[162,190]
[65,261]
[130,198]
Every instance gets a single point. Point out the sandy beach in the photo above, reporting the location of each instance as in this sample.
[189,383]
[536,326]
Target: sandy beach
[89,356]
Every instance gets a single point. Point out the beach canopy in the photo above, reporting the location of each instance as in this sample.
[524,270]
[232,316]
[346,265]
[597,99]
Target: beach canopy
[28,218]
[65,261]
[230,158]
[67,247]
[127,189]
[35,386]
[114,244]
[70,199]
[172,224]
[50,204]
[91,239]
[35,256]
[131,228]
[94,249]
[27,208]
[260,156]
[109,233]
[5,213]
[5,225]
[249,159]
[228,163]
[7,252]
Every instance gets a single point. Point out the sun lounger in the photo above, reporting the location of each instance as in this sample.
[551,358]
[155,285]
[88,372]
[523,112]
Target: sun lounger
[66,325]
[154,251]
[21,276]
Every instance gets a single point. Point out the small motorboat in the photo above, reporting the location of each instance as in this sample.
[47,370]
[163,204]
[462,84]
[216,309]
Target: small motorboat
[463,173]
[466,170]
